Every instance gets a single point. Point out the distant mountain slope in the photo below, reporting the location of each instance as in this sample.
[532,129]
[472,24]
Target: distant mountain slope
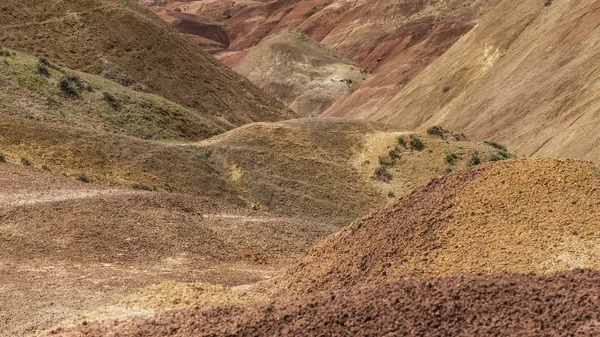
[300,71]
[527,75]
[393,39]
[407,51]
[124,41]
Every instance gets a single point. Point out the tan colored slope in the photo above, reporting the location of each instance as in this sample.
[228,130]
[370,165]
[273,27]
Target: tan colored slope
[125,41]
[525,76]
[520,216]
[405,52]
[327,167]
[80,246]
[394,40]
[32,89]
[299,71]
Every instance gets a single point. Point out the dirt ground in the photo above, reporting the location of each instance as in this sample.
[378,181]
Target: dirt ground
[69,247]
[518,216]
[558,304]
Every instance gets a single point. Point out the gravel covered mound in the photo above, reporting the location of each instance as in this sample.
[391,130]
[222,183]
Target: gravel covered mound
[559,304]
[516,216]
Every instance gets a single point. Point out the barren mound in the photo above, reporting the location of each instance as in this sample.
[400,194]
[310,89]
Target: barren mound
[126,42]
[535,215]
[111,159]
[301,72]
[80,246]
[504,81]
[559,304]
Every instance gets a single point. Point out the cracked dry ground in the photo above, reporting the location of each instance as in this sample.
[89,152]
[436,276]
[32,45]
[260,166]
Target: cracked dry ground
[67,247]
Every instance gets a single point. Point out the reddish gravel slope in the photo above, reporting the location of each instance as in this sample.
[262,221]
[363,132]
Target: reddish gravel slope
[561,304]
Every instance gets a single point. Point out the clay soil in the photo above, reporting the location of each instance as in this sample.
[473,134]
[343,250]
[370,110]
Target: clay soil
[68,247]
[526,215]
[559,304]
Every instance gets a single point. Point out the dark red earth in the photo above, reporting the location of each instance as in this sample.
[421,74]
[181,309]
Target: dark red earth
[560,304]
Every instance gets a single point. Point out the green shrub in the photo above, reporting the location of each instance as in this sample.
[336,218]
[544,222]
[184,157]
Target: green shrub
[450,157]
[445,89]
[4,52]
[496,145]
[385,161]
[45,167]
[401,141]
[416,143]
[143,187]
[25,161]
[547,3]
[112,101]
[394,154]
[68,87]
[475,160]
[2,158]
[72,85]
[83,178]
[436,131]
[500,155]
[42,69]
[45,62]
[496,157]
[382,174]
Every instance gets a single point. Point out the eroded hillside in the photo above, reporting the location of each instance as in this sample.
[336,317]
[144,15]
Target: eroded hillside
[526,75]
[393,40]
[299,71]
[125,42]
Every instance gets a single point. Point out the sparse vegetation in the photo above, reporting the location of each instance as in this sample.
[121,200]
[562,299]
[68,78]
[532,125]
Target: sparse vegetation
[2,158]
[5,52]
[499,155]
[83,178]
[44,65]
[111,100]
[45,167]
[496,157]
[385,161]
[416,143]
[143,187]
[547,3]
[68,87]
[26,162]
[496,145]
[436,131]
[382,174]
[445,89]
[474,160]
[42,69]
[394,154]
[72,85]
[451,157]
[401,141]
